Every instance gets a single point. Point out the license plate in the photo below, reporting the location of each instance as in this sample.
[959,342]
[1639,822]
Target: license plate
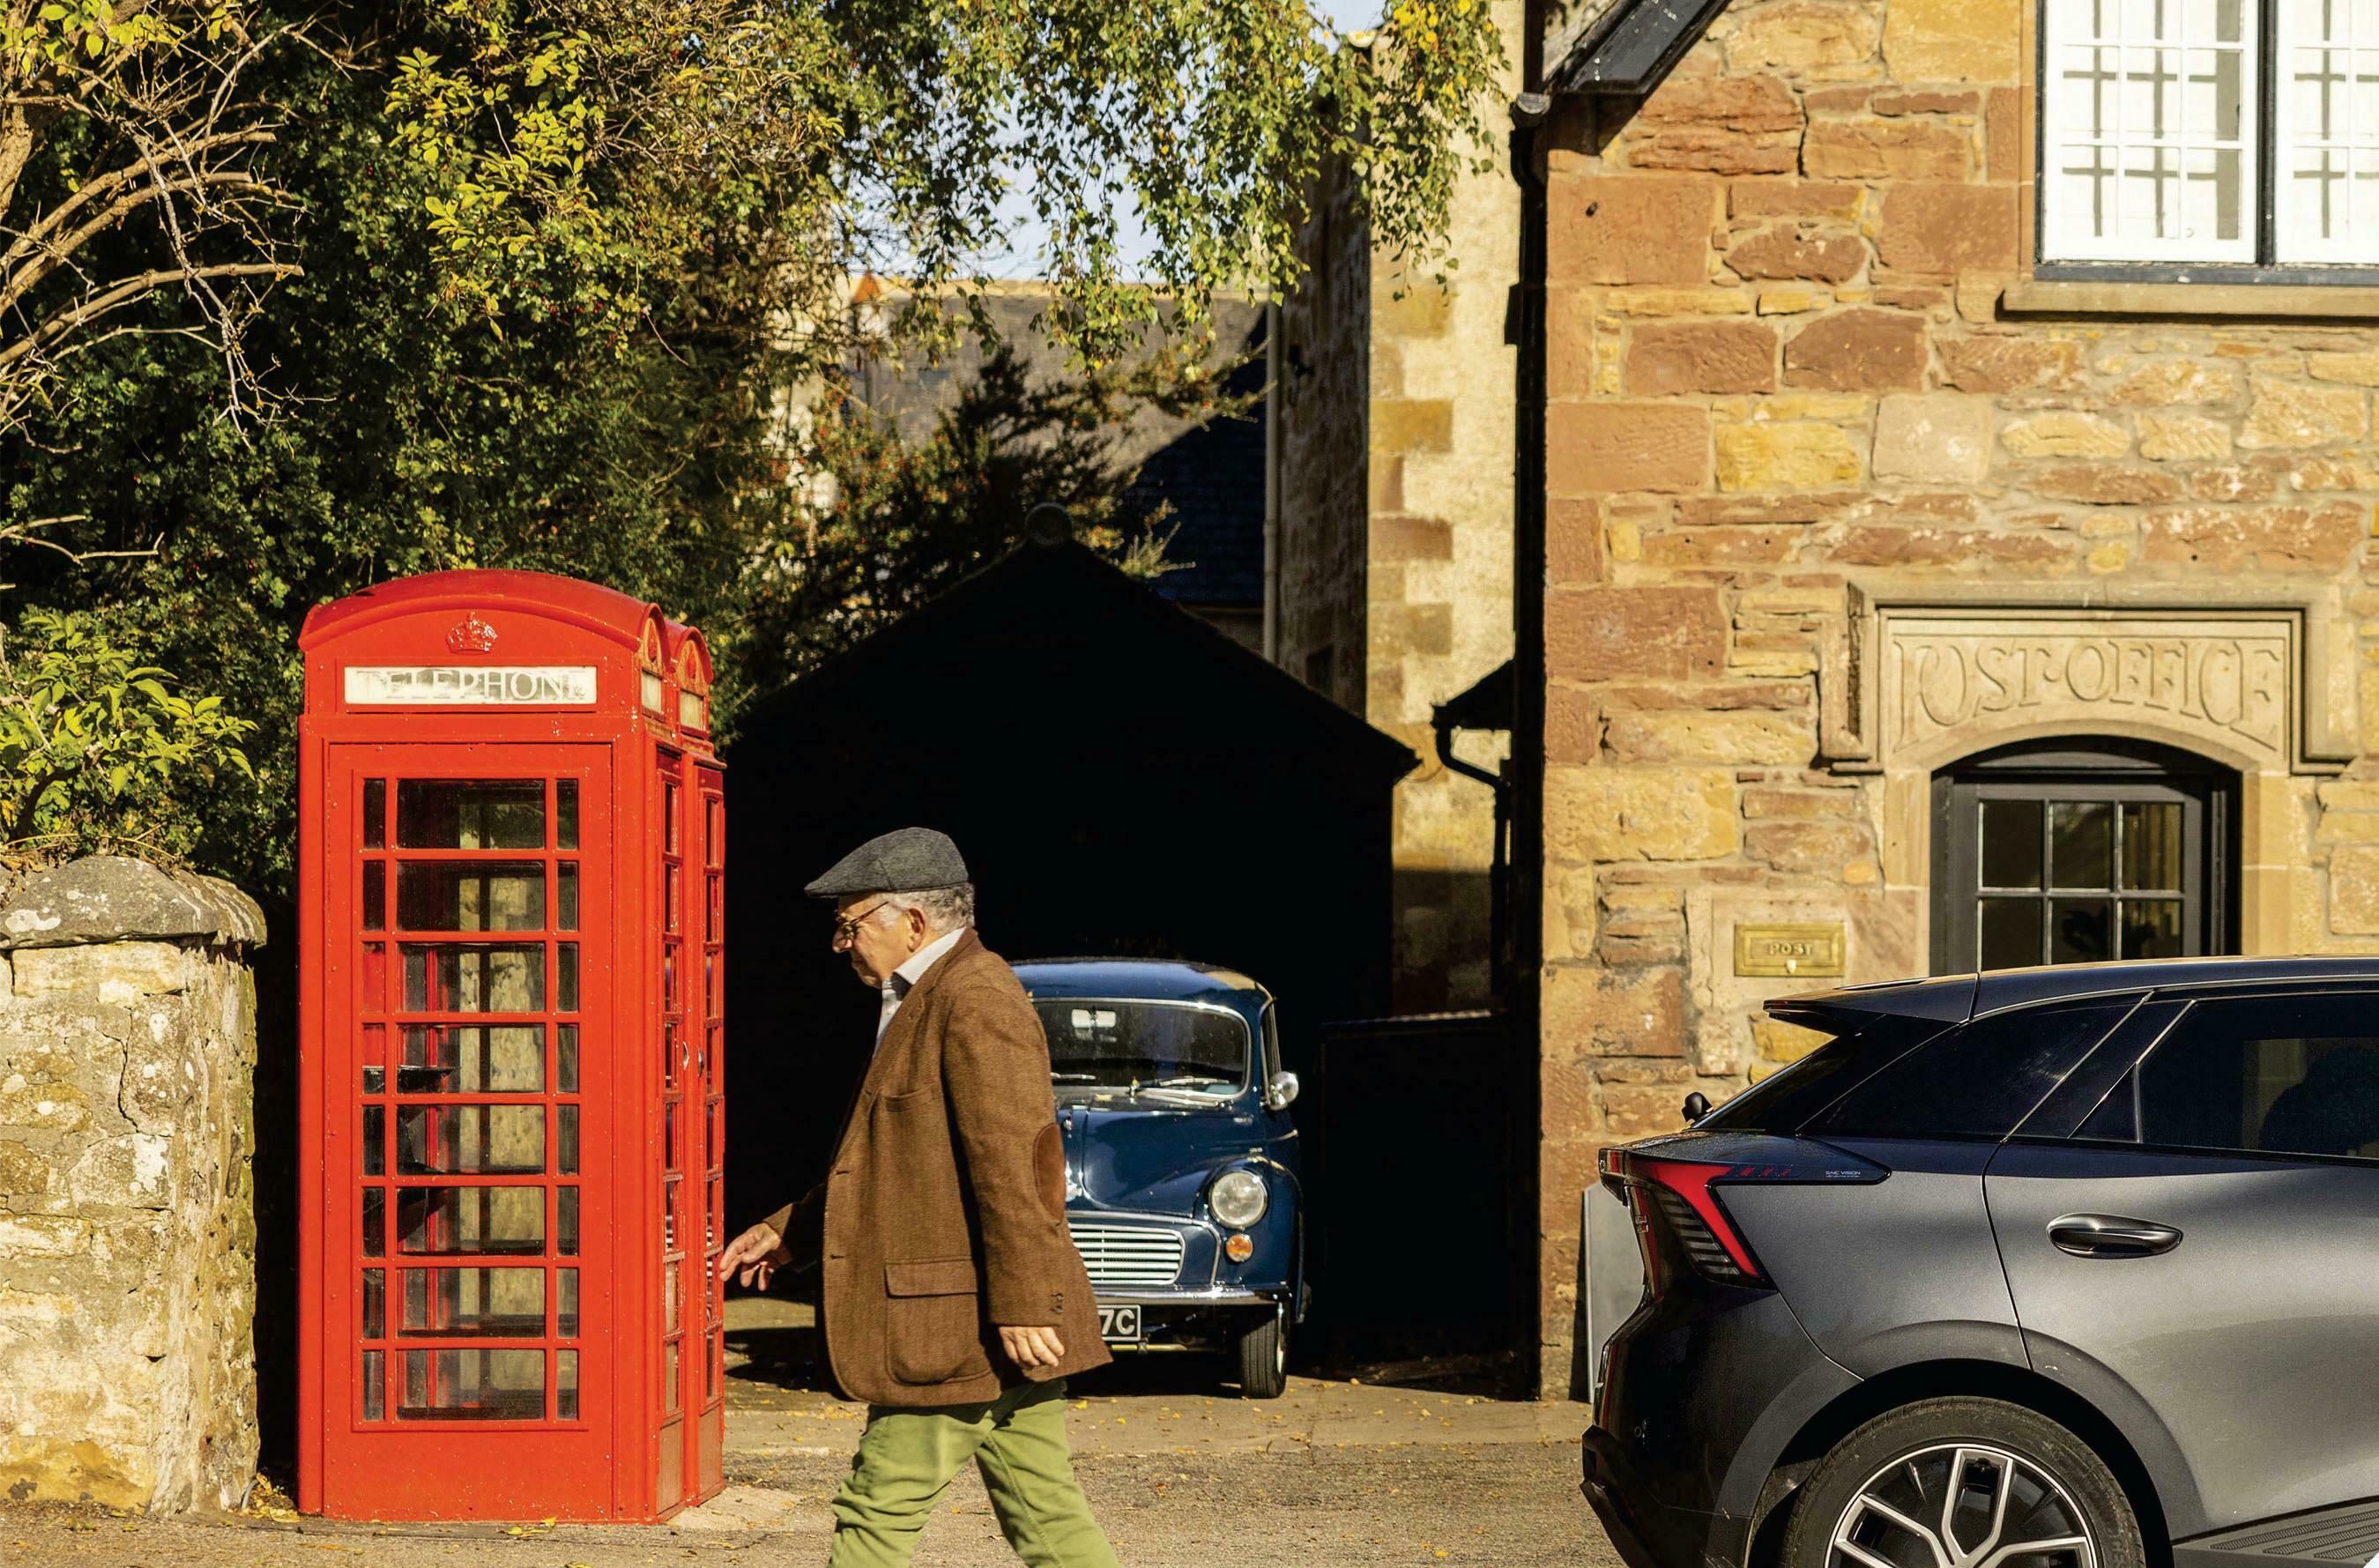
[1120,1324]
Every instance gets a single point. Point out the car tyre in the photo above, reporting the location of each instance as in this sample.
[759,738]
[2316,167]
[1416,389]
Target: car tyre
[1264,1357]
[1902,1460]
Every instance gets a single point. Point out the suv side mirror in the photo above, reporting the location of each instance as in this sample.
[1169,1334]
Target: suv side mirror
[1280,1091]
[1696,1106]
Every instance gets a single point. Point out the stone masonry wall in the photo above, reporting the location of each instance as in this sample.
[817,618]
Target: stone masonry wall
[1323,506]
[1439,568]
[128,1289]
[1784,373]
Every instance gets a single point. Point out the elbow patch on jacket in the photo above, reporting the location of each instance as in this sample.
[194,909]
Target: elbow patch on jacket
[1049,1169]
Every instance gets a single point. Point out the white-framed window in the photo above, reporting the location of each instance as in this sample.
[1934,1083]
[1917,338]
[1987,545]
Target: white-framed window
[2327,170]
[2239,134]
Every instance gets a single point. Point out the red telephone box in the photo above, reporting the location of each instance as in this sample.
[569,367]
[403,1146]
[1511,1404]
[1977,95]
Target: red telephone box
[510,1045]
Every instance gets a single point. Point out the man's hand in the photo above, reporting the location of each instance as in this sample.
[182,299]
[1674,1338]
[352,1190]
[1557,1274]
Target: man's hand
[1032,1347]
[759,1252]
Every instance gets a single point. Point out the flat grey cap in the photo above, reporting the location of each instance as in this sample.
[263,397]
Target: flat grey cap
[903,860]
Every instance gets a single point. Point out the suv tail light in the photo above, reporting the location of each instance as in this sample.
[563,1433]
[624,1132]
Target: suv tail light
[1682,1196]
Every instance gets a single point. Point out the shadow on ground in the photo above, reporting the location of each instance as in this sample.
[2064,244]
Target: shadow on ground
[780,1350]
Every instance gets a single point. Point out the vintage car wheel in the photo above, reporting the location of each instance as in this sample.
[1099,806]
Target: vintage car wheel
[1264,1357]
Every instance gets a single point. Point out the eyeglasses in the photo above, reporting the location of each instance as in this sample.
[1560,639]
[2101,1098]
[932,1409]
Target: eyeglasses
[846,929]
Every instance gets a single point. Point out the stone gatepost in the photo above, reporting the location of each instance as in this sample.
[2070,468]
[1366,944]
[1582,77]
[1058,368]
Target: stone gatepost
[127,1225]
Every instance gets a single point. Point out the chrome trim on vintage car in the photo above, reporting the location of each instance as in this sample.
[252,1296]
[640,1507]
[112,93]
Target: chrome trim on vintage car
[1216,1296]
[1127,1256]
[1178,1229]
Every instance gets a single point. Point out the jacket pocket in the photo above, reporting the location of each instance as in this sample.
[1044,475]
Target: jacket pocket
[934,1320]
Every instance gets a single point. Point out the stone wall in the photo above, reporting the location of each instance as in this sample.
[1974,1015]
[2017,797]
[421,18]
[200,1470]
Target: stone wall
[1396,538]
[1808,453]
[127,1290]
[1440,593]
[1323,504]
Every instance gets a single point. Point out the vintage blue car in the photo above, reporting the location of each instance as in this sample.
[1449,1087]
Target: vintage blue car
[1181,1185]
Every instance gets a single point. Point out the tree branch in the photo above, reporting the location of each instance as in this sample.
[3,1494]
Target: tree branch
[15,284]
[129,289]
[92,189]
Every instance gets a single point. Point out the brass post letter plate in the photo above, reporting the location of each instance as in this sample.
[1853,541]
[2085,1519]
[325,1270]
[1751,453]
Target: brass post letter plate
[1793,950]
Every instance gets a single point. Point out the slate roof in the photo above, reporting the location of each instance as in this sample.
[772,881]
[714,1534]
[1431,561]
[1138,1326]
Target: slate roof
[1212,477]
[1212,474]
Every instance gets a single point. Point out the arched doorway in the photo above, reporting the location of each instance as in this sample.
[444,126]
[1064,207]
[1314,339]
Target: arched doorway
[2081,849]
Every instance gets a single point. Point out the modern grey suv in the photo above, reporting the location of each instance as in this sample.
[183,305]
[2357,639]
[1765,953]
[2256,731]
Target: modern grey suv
[2061,1268]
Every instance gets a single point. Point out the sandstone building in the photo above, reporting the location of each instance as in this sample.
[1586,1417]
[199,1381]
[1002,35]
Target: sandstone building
[1949,540]
[1397,423]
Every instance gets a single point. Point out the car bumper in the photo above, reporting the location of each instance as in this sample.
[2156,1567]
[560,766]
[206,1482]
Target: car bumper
[1247,1296]
[1703,1390]
[1645,1533]
[1610,1489]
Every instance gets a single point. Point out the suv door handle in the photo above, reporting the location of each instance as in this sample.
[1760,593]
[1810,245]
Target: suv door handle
[2110,1235]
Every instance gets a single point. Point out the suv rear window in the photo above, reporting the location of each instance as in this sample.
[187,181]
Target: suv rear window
[1978,1081]
[1783,1101]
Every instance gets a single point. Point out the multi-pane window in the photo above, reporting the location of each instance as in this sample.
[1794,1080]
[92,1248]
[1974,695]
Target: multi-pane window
[2327,177]
[2238,133]
[2078,881]
[2056,853]
[467,1009]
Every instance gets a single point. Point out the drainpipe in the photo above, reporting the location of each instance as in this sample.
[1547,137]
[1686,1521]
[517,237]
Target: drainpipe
[1499,872]
[1527,765]
[1273,445]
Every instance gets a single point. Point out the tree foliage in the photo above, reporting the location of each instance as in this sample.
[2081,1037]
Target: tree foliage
[405,438]
[888,522]
[99,753]
[131,135]
[566,265]
[626,139]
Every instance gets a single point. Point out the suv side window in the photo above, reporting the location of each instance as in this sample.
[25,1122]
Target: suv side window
[1978,1081]
[2274,1074]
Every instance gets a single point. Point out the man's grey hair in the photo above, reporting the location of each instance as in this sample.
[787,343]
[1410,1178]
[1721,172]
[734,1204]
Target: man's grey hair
[944,909]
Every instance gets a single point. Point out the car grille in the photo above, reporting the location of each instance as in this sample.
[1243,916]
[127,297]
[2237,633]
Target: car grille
[1129,1257]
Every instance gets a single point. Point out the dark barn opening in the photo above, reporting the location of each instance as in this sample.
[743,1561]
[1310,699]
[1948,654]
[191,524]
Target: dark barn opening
[1123,779]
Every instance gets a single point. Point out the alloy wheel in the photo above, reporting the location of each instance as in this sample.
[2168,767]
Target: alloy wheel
[1961,1505]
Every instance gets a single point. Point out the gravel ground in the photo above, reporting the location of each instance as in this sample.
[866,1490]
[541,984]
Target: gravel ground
[1509,1504]
[1182,1472]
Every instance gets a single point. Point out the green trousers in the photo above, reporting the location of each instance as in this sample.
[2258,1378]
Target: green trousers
[908,1458]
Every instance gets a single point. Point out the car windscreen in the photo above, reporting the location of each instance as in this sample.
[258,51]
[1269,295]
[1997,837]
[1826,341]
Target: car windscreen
[1783,1101]
[1137,1045]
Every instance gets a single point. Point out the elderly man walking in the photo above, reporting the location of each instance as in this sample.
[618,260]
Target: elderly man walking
[953,1302]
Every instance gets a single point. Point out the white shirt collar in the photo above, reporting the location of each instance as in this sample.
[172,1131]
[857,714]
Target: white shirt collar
[921,961]
[895,984]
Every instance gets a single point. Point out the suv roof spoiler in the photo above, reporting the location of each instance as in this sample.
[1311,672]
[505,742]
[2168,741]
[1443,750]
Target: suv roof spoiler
[1949,997]
[1955,998]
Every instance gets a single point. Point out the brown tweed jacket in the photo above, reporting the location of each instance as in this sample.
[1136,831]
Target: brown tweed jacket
[945,1212]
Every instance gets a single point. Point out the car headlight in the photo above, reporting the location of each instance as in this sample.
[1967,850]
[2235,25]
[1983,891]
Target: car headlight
[1239,1198]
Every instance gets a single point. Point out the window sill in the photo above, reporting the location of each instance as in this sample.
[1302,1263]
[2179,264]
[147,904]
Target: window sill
[2057,297]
